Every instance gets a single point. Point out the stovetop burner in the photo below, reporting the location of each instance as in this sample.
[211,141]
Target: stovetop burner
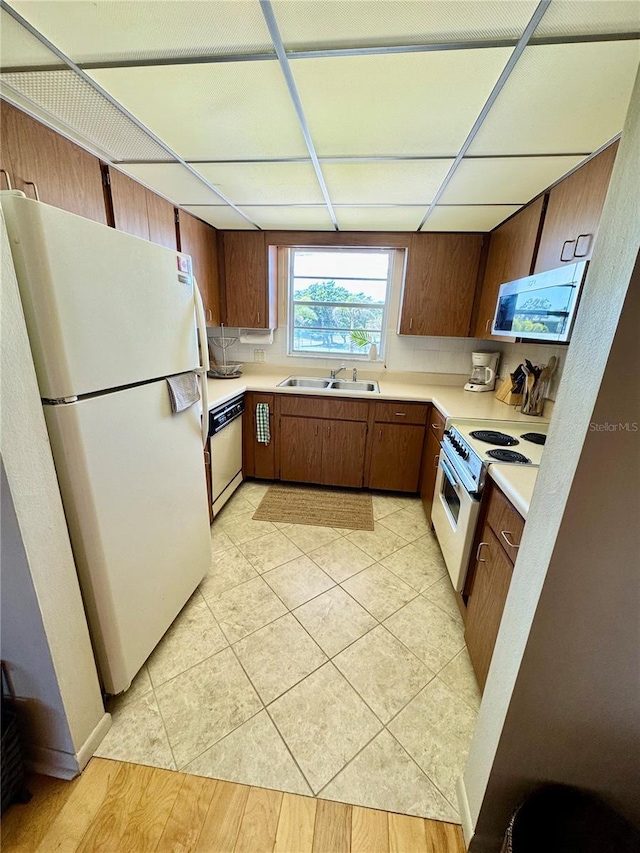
[501,455]
[534,437]
[493,437]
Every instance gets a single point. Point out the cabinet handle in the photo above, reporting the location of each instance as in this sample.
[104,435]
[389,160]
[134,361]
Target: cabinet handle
[411,324]
[7,178]
[436,459]
[328,429]
[400,414]
[576,253]
[478,560]
[436,427]
[566,242]
[209,314]
[379,435]
[35,189]
[487,325]
[258,318]
[505,535]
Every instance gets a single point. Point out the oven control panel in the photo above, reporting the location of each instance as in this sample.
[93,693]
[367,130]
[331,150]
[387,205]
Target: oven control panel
[464,459]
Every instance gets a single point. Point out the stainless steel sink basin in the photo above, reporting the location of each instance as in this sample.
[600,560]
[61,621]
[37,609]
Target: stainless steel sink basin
[303,382]
[365,385]
[359,385]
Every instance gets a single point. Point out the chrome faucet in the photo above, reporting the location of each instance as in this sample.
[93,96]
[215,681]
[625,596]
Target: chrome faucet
[334,373]
[354,378]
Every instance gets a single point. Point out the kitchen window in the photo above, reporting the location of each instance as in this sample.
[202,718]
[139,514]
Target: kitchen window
[338,300]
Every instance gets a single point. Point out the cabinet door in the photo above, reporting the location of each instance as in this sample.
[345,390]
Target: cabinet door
[246,283]
[200,241]
[65,174]
[440,284]
[343,448]
[162,221]
[258,460]
[300,443]
[395,457]
[573,214]
[486,602]
[129,200]
[511,256]
[429,471]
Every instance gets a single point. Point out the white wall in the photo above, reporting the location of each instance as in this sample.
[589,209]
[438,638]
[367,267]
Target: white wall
[562,700]
[44,634]
[403,353]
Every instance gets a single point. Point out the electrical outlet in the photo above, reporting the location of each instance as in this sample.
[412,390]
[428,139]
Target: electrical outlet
[258,356]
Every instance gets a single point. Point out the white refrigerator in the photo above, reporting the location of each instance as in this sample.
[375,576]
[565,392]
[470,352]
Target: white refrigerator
[109,317]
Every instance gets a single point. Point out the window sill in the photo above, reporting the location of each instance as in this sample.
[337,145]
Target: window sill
[327,357]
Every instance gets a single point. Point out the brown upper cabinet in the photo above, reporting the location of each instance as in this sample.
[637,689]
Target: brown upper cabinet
[200,241]
[139,211]
[573,214]
[250,286]
[40,161]
[511,256]
[440,283]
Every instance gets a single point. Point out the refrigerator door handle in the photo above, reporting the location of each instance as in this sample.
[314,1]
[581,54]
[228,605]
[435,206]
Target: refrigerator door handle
[204,362]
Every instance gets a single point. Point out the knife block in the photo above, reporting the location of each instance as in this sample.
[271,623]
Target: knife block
[505,396]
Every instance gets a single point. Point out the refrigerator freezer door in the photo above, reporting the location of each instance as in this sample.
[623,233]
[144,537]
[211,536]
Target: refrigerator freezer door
[133,485]
[104,309]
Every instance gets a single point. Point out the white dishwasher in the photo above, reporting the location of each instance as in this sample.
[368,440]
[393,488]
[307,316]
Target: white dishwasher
[225,446]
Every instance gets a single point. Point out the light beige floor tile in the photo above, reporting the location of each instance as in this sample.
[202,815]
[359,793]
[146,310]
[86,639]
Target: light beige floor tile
[430,634]
[458,674]
[137,733]
[414,567]
[429,545]
[386,504]
[193,636]
[442,594]
[270,551]
[298,581]
[383,671]
[242,528]
[406,523]
[278,656]
[245,608]
[324,723]
[334,620]
[140,686]
[236,505]
[253,754]
[219,539]
[379,591]
[340,559]
[228,569]
[254,490]
[436,728]
[205,703]
[378,543]
[308,538]
[383,776]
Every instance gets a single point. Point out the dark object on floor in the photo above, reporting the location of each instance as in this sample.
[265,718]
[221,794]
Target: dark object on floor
[560,819]
[13,778]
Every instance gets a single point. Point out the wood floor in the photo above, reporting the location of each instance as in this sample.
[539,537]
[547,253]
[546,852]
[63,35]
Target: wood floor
[126,808]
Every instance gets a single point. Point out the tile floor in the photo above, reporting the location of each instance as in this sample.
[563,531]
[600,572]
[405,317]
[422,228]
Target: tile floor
[314,661]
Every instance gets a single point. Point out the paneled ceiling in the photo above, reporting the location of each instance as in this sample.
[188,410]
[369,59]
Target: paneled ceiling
[446,115]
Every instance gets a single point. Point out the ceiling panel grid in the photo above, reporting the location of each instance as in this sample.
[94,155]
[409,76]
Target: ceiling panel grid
[265,183]
[590,17]
[469,217]
[390,182]
[220,216]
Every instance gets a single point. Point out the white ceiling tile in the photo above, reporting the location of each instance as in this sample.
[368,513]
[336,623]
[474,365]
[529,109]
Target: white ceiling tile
[561,98]
[215,111]
[379,218]
[291,218]
[221,216]
[173,181]
[19,48]
[373,22]
[511,180]
[386,182]
[468,217]
[588,17]
[412,104]
[265,183]
[111,31]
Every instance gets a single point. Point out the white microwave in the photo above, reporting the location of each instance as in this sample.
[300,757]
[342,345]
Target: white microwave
[540,307]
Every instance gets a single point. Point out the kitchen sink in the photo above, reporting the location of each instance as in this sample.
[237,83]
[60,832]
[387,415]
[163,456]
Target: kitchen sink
[365,385]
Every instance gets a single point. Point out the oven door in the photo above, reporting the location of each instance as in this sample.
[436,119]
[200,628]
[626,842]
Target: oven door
[454,516]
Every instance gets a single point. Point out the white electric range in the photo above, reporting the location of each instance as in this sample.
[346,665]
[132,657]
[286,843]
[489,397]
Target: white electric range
[467,449]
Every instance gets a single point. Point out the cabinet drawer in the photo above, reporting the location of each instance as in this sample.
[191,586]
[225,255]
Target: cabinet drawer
[436,423]
[400,413]
[506,522]
[314,407]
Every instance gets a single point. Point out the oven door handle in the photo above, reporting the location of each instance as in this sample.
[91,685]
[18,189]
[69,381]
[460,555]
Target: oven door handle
[449,474]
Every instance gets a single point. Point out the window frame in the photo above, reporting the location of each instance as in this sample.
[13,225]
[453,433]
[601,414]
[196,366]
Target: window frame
[291,303]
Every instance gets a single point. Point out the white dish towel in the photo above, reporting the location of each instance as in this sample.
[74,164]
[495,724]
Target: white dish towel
[183,391]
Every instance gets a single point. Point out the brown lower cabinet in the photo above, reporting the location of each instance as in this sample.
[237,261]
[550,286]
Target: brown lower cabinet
[396,454]
[258,460]
[328,452]
[301,449]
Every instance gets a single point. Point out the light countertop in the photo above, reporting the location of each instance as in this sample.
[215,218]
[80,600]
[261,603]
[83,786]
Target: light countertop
[517,482]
